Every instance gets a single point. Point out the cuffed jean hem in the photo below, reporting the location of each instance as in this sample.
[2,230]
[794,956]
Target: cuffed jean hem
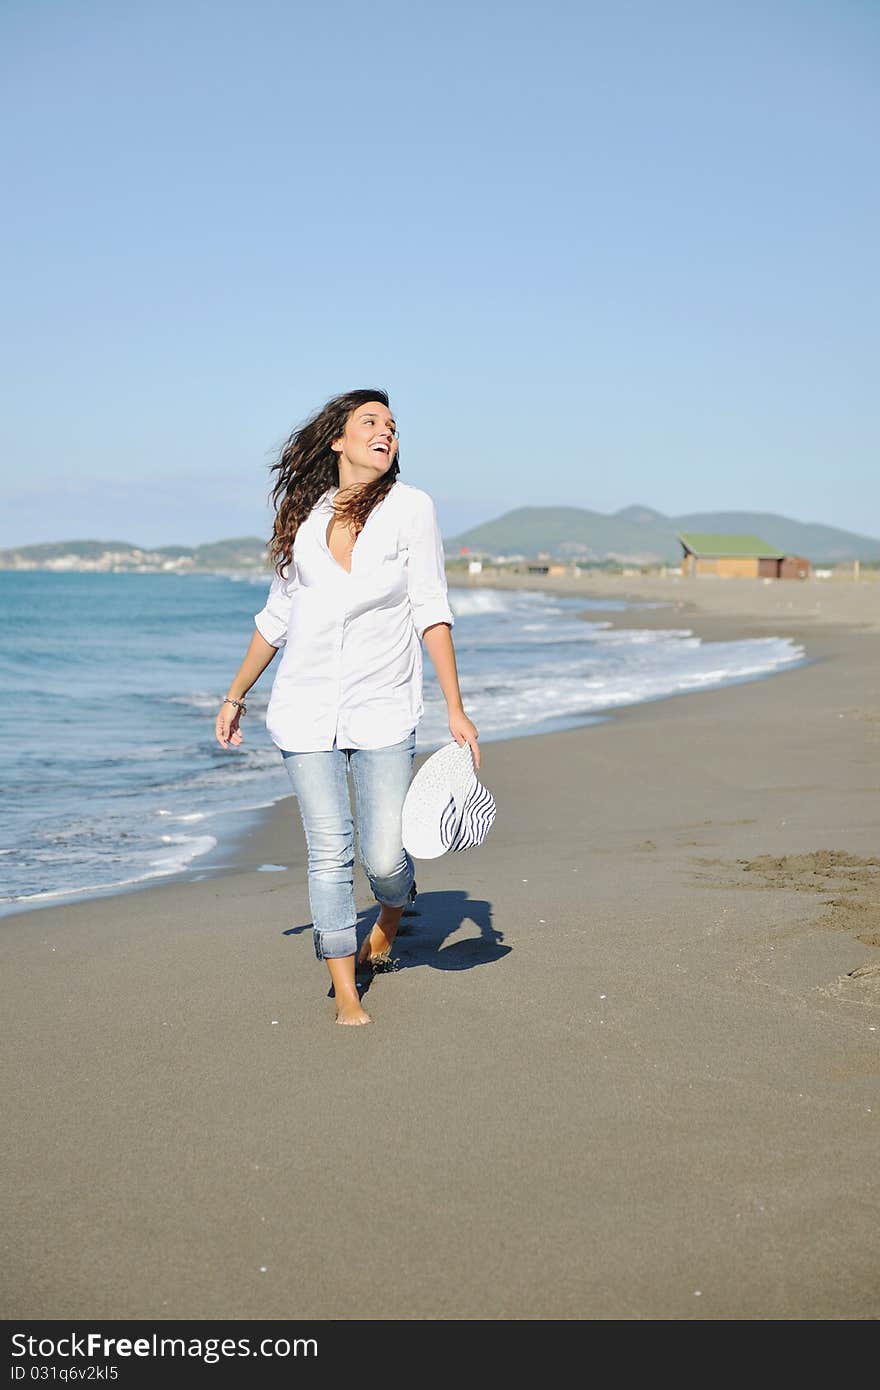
[396,891]
[333,945]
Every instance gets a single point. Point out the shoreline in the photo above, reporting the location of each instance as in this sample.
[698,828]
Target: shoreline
[816,602]
[229,852]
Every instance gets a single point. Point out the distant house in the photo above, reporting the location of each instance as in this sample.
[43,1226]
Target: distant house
[738,557]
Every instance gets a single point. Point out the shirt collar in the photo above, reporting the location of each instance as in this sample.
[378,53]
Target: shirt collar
[325,501]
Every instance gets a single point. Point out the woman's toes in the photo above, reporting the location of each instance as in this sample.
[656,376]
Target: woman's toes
[352,1014]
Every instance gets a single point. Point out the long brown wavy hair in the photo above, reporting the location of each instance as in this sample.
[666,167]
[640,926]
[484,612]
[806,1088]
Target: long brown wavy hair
[306,467]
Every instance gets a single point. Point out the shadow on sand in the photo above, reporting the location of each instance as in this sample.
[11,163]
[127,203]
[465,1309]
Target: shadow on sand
[424,928]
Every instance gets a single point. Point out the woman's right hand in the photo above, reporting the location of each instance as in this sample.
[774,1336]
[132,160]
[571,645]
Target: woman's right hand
[227,726]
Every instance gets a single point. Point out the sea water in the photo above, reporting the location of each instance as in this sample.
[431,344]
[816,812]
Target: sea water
[111,774]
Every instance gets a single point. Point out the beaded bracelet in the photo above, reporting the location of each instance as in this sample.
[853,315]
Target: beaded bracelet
[240,704]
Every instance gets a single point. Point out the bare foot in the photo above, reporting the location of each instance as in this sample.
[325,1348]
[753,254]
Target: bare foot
[381,938]
[349,1011]
[348,1004]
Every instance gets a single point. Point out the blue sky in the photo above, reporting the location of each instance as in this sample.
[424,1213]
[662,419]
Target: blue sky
[599,254]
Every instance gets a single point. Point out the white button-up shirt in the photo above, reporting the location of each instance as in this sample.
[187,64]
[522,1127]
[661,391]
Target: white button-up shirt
[351,670]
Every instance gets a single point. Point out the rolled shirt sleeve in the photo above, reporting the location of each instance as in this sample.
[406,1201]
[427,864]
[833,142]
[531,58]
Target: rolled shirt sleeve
[273,618]
[426,569]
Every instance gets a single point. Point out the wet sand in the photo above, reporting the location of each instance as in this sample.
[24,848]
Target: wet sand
[628,1068]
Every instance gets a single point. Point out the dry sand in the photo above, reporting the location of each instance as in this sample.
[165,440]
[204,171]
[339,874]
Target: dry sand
[630,1069]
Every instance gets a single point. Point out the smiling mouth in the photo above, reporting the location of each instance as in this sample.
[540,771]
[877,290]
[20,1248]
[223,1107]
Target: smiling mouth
[379,448]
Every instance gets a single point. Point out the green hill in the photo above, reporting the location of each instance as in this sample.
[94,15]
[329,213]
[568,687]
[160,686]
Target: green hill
[640,535]
[634,535]
[245,552]
[571,533]
[824,545]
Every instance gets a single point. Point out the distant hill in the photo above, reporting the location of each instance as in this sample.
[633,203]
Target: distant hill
[640,535]
[571,533]
[634,535]
[242,553]
[821,544]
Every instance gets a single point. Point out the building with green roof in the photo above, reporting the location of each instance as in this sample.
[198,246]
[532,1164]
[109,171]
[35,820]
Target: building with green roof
[738,557]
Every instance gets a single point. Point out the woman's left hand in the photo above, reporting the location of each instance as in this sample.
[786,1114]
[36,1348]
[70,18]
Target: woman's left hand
[463,731]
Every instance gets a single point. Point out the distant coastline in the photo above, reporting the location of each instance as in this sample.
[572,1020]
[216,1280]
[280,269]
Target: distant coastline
[249,557]
[573,537]
[247,554]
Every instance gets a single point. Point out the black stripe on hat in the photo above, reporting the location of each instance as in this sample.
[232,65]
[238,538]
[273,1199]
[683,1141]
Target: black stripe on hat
[480,815]
[477,816]
[447,823]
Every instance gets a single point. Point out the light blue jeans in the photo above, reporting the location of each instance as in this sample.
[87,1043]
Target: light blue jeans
[381,778]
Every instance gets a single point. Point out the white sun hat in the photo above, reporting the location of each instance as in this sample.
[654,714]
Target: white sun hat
[446,808]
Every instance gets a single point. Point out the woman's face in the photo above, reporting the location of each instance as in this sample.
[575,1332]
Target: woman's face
[369,441]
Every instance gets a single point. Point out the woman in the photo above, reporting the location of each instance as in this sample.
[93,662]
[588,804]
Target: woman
[359,583]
